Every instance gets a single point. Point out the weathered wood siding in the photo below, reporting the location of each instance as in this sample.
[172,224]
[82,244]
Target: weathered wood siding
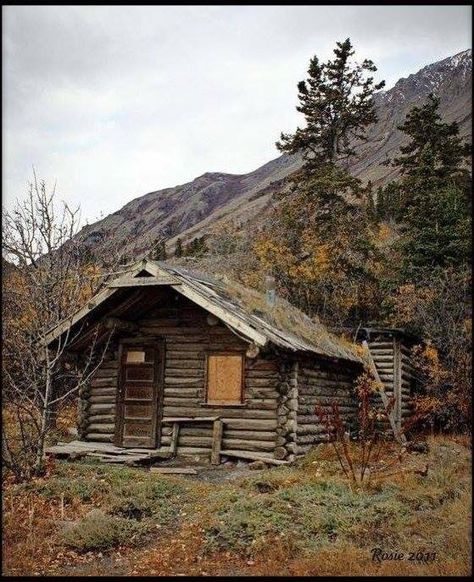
[408,383]
[392,360]
[323,382]
[187,337]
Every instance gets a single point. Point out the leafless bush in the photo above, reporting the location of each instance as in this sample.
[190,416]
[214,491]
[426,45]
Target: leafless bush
[47,275]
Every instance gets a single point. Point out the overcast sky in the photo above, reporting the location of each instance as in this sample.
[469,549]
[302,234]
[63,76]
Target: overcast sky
[115,102]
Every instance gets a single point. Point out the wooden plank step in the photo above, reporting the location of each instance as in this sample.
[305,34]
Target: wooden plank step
[190,419]
[253,457]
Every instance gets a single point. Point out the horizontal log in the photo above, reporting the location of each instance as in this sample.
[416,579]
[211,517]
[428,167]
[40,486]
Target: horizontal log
[327,400]
[248,424]
[101,428]
[308,409]
[219,411]
[184,401]
[98,418]
[101,438]
[310,438]
[380,345]
[189,382]
[174,374]
[265,457]
[184,364]
[182,392]
[261,374]
[175,346]
[103,408]
[312,419]
[305,390]
[261,403]
[107,399]
[188,430]
[302,429]
[185,356]
[260,382]
[263,365]
[247,445]
[382,359]
[150,327]
[103,391]
[189,441]
[104,382]
[335,376]
[106,372]
[334,386]
[381,351]
[384,365]
[386,377]
[253,435]
[193,450]
[261,393]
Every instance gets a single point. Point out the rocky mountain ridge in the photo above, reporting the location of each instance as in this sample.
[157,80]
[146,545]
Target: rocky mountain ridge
[211,200]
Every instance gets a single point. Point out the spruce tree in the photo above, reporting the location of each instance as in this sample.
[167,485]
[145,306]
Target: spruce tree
[337,102]
[435,194]
[159,251]
[370,207]
[435,153]
[178,251]
[321,226]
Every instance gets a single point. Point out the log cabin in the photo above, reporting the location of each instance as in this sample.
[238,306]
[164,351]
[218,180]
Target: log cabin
[193,364]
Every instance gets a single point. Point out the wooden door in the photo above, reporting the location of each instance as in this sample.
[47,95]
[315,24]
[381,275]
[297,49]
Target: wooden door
[140,395]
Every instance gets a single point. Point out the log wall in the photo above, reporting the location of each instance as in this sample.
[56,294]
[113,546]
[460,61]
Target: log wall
[187,335]
[392,360]
[323,382]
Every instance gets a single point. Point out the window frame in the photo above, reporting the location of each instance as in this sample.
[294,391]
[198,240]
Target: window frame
[237,404]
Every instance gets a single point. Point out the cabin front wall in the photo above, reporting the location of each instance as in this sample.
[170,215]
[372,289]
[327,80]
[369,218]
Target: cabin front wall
[187,335]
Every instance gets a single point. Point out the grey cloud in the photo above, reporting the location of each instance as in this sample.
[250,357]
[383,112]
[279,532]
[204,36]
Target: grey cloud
[117,101]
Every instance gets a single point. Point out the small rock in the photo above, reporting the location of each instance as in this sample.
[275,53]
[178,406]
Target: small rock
[257,465]
[419,447]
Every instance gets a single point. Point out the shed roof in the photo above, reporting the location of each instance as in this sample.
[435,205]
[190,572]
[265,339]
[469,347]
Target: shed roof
[244,310]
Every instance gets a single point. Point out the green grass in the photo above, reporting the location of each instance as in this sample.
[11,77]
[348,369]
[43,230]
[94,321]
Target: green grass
[100,531]
[307,511]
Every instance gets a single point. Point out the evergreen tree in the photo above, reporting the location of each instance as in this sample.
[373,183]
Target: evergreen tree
[370,206]
[159,251]
[337,102]
[435,193]
[197,247]
[178,251]
[380,206]
[435,153]
[320,245]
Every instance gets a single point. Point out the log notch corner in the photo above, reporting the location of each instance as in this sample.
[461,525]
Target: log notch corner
[287,411]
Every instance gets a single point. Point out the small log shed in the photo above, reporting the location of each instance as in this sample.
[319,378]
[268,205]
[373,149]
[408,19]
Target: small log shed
[194,364]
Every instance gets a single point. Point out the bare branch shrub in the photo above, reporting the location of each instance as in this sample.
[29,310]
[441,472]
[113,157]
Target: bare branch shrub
[47,275]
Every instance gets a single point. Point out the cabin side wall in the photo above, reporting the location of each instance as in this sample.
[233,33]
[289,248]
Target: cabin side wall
[323,382]
[392,359]
[188,336]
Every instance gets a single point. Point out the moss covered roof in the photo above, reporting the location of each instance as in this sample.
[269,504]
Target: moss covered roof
[282,323]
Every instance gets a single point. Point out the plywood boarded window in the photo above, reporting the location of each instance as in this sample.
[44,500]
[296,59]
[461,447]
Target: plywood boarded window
[224,378]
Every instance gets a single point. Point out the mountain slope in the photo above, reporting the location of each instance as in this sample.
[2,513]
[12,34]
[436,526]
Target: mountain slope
[195,208]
